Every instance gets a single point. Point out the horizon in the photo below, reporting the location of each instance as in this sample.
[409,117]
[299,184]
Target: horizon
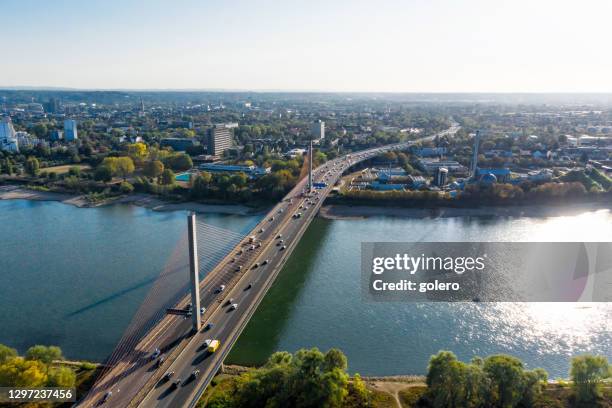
[393,46]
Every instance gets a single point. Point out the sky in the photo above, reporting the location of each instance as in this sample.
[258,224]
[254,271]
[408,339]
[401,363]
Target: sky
[309,45]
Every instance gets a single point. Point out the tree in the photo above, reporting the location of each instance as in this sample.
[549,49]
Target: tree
[40,130]
[587,373]
[46,354]
[153,168]
[137,151]
[506,374]
[103,173]
[61,377]
[19,372]
[179,162]
[125,167]
[168,177]
[6,353]
[74,171]
[32,166]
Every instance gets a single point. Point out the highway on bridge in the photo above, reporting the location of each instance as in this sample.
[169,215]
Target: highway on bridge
[247,275]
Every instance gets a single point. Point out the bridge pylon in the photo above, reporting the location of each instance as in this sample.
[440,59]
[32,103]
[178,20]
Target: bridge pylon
[310,167]
[194,272]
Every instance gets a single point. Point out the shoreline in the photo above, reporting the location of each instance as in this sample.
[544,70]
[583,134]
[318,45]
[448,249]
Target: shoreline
[140,200]
[358,212]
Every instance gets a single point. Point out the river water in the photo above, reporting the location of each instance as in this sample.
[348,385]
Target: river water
[74,277]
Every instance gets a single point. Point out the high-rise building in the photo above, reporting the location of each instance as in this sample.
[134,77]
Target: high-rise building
[317,130]
[8,141]
[70,130]
[441,176]
[219,140]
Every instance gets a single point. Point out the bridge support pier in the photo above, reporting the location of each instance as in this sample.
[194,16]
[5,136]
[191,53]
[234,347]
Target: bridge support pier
[194,272]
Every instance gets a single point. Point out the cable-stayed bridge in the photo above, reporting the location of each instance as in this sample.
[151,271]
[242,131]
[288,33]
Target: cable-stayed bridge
[237,272]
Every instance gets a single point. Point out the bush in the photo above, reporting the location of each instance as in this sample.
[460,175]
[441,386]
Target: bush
[126,188]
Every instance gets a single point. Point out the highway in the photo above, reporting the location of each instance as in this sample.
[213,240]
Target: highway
[247,275]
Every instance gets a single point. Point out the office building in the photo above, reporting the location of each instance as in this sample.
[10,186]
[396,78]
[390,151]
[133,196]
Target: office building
[8,141]
[317,130]
[178,144]
[219,140]
[70,130]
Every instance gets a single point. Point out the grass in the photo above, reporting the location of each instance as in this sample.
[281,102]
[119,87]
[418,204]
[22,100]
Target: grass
[65,168]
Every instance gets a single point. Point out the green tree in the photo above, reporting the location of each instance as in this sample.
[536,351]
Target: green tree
[587,373]
[506,374]
[46,354]
[168,177]
[103,173]
[61,377]
[179,162]
[6,353]
[32,166]
[40,130]
[153,168]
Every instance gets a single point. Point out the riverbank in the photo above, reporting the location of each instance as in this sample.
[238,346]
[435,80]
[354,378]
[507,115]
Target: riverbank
[355,212]
[141,200]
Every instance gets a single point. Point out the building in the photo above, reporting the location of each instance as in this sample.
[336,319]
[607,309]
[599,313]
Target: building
[441,176]
[501,175]
[178,144]
[252,171]
[317,130]
[8,141]
[220,139]
[70,130]
[431,165]
[57,135]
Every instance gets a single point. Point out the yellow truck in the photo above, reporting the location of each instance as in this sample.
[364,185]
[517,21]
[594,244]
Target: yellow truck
[213,346]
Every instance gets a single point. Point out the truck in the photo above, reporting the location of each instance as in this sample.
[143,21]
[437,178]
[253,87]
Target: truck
[213,346]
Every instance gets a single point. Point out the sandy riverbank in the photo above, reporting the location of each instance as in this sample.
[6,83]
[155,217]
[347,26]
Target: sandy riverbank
[339,212]
[141,200]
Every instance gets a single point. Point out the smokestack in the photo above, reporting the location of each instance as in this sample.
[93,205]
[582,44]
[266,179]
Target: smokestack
[475,155]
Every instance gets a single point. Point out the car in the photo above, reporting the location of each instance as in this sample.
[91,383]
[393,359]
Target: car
[195,373]
[259,245]
[207,342]
[176,383]
[283,247]
[168,375]
[249,286]
[261,230]
[209,326]
[239,268]
[255,265]
[229,301]
[233,260]
[155,354]
[234,306]
[107,396]
[202,310]
[265,262]
[252,247]
[279,236]
[271,219]
[279,243]
[240,252]
[220,289]
[280,210]
[160,361]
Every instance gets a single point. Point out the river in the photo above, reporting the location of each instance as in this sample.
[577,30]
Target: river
[74,277]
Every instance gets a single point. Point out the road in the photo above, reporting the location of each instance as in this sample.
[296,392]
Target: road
[137,383]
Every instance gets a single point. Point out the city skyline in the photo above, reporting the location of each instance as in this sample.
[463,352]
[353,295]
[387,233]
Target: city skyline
[357,46]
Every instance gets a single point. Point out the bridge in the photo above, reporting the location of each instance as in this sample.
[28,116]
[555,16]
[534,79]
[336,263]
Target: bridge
[245,268]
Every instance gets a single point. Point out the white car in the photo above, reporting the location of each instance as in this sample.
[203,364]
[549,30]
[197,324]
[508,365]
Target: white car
[207,342]
[234,306]
[221,288]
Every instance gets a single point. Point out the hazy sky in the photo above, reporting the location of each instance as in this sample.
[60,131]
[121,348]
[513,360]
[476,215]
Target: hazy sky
[333,45]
